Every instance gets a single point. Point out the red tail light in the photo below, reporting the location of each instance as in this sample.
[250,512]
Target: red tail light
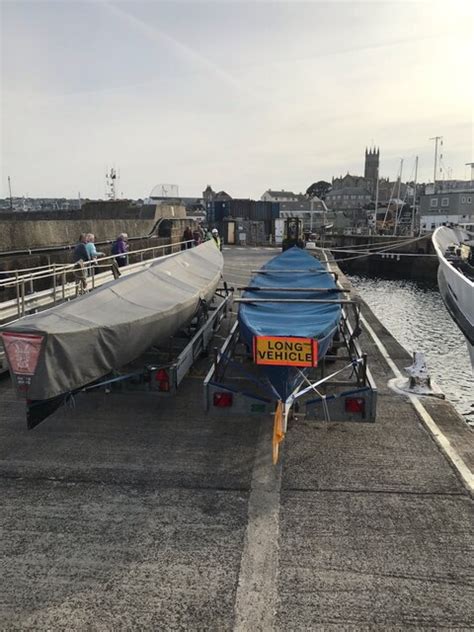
[223,400]
[163,380]
[355,405]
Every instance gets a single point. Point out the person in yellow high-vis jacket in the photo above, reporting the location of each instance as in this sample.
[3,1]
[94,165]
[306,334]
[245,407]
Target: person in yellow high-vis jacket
[216,238]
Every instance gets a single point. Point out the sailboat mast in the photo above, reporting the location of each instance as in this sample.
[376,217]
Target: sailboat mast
[436,139]
[414,199]
[395,226]
[376,197]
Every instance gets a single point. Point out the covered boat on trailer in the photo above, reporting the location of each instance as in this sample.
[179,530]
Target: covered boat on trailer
[292,296]
[59,351]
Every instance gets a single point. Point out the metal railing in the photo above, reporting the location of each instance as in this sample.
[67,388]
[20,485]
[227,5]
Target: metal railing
[63,285]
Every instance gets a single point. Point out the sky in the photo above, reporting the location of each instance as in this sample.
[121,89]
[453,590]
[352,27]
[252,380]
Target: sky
[244,96]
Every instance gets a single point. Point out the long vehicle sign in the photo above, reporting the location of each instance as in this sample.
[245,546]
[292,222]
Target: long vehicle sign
[285,351]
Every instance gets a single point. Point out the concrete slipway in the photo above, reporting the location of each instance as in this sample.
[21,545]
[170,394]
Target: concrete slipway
[133,513]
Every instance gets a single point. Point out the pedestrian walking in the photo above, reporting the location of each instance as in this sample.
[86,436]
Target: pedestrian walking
[215,237]
[188,238]
[91,248]
[120,249]
[80,258]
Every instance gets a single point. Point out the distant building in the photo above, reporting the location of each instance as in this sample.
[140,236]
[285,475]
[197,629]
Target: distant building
[448,185]
[282,196]
[446,207]
[211,200]
[352,192]
[349,192]
[371,169]
[28,204]
[208,194]
[312,212]
[315,204]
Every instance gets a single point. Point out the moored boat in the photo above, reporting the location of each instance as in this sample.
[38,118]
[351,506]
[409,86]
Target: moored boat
[292,296]
[57,352]
[455,250]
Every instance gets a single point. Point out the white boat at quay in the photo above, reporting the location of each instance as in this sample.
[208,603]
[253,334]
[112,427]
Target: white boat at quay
[455,250]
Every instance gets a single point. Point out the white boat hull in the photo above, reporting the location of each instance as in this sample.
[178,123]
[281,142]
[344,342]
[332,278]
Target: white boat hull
[456,289]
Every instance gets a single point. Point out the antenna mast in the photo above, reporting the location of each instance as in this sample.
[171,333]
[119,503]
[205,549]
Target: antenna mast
[110,183]
[436,139]
[10,189]
[468,164]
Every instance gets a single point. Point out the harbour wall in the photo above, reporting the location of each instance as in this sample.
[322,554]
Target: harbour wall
[401,259]
[43,229]
[29,240]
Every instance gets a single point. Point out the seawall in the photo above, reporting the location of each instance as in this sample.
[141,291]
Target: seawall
[23,231]
[401,259]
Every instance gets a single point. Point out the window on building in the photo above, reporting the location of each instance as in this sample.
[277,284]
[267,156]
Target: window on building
[434,202]
[468,200]
[463,199]
[444,201]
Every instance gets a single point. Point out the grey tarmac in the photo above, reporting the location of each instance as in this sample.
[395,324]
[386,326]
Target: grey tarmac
[135,512]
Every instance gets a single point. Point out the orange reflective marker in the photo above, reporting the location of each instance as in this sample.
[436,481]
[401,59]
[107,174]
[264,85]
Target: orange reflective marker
[278,434]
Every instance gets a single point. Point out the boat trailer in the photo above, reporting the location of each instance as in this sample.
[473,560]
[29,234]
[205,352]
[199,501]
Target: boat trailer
[162,369]
[341,388]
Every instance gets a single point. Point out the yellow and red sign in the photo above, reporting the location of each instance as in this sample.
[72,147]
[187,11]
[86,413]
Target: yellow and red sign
[285,351]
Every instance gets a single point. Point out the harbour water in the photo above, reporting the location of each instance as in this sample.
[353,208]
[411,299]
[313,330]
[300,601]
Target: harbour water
[416,316]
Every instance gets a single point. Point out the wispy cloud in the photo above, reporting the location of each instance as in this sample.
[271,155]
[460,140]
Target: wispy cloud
[183,50]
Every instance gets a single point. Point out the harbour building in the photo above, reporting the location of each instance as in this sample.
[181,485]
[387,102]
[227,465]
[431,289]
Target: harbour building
[450,206]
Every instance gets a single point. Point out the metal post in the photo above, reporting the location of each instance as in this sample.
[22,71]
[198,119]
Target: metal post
[414,199]
[395,225]
[436,139]
[17,286]
[10,190]
[471,164]
[23,297]
[63,282]
[376,200]
[93,275]
[54,283]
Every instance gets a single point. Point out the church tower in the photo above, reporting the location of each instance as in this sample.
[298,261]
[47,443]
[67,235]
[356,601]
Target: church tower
[371,168]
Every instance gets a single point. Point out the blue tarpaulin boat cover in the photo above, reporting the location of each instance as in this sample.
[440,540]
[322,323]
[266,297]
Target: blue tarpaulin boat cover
[294,268]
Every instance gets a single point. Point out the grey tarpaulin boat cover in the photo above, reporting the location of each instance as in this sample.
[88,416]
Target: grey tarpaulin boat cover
[73,344]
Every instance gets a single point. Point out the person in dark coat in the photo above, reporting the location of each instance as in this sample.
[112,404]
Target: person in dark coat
[81,259]
[120,249]
[187,236]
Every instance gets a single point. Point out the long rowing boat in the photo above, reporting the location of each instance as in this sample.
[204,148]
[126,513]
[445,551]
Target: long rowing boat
[59,351]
